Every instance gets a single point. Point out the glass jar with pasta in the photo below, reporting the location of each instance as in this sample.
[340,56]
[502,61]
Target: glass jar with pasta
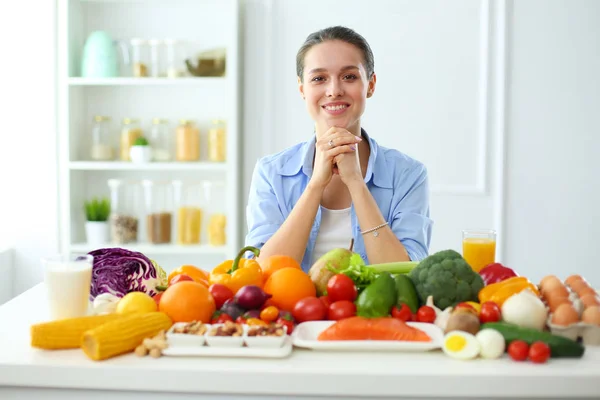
[187,138]
[130,131]
[190,202]
[217,144]
[216,226]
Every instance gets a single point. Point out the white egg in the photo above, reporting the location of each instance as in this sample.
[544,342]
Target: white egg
[461,345]
[491,342]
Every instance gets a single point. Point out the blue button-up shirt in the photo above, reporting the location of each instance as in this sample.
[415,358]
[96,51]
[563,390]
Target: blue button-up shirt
[398,183]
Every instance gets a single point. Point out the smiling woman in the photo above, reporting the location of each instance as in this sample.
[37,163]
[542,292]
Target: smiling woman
[339,185]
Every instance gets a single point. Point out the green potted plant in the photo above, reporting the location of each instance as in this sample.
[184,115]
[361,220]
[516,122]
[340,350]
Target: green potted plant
[140,152]
[97,212]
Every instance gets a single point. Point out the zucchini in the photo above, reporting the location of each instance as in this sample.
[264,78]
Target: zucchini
[560,347]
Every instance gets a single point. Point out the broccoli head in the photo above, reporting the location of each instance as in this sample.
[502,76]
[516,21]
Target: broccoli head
[447,277]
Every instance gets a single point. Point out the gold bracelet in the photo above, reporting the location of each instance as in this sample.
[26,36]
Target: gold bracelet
[374,229]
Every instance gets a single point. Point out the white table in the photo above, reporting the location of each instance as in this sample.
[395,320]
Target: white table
[29,373]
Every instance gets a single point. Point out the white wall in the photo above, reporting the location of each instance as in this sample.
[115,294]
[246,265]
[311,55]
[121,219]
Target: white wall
[553,164]
[28,195]
[552,125]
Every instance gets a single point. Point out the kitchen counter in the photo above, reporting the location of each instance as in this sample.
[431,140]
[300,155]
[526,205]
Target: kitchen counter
[68,374]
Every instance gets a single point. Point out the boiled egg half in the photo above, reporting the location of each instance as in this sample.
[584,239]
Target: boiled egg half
[461,345]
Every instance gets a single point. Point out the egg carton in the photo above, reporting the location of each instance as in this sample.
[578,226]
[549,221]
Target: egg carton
[589,334]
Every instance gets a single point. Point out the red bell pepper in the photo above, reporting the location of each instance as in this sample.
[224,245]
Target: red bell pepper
[496,272]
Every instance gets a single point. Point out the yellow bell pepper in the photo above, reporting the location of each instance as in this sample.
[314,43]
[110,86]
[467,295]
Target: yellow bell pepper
[499,292]
[239,272]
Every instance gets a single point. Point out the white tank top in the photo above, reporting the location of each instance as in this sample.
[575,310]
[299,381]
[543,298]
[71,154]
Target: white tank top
[335,231]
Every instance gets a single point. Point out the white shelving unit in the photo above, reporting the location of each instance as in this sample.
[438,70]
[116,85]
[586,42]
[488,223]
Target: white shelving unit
[206,24]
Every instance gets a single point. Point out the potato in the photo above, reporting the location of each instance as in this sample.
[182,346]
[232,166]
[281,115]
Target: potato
[463,321]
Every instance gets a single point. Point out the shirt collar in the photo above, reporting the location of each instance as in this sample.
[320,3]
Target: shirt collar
[302,159]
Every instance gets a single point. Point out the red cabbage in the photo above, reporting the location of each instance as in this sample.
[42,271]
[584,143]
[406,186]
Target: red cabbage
[119,271]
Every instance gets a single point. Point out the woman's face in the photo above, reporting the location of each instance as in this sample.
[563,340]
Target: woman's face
[335,85]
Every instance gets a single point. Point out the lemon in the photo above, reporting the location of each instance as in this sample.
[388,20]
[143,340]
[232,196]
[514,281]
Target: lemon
[136,302]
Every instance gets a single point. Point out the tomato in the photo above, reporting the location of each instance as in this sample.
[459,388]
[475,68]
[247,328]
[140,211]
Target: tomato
[518,350]
[490,312]
[197,274]
[403,313]
[539,352]
[340,310]
[241,319]
[220,293]
[326,301]
[256,322]
[286,321]
[341,287]
[465,305]
[220,317]
[426,314]
[179,278]
[309,309]
[269,314]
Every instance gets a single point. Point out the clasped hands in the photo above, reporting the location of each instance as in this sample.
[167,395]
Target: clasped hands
[336,153]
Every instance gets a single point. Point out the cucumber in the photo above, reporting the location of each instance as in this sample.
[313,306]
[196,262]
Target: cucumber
[406,292]
[560,347]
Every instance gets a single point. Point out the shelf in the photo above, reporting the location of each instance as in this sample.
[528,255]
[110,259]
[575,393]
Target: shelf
[152,166]
[147,248]
[145,81]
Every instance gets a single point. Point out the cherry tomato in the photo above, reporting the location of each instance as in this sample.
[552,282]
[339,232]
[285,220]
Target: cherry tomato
[539,352]
[157,297]
[269,314]
[256,322]
[326,301]
[241,319]
[403,313]
[426,314]
[518,350]
[341,287]
[286,321]
[309,309]
[490,312]
[220,293]
[220,317]
[340,310]
[180,278]
[465,305]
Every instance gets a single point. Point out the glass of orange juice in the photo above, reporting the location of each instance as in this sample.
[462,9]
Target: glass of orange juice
[479,247]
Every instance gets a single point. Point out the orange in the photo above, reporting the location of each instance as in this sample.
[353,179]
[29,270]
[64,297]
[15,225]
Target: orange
[197,274]
[187,301]
[288,286]
[275,263]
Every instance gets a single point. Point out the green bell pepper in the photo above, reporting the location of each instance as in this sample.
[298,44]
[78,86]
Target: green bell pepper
[377,299]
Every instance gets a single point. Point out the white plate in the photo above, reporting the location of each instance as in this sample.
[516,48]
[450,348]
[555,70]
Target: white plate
[246,352]
[305,335]
[264,341]
[225,341]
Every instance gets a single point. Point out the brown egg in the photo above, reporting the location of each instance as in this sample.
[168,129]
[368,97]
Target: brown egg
[578,285]
[549,282]
[556,291]
[590,299]
[565,315]
[585,291]
[591,315]
[572,279]
[555,301]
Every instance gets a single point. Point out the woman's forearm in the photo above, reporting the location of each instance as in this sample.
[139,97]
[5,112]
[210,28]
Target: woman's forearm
[291,238]
[385,247]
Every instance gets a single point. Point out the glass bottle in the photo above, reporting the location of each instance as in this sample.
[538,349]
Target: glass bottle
[124,218]
[139,58]
[102,146]
[175,58]
[217,145]
[160,140]
[130,131]
[187,137]
[158,198]
[217,219]
[190,202]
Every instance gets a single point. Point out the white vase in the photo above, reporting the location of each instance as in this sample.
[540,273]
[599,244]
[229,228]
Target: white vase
[140,154]
[96,232]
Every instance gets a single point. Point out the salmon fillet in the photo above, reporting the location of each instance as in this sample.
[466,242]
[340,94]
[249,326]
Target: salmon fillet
[384,328]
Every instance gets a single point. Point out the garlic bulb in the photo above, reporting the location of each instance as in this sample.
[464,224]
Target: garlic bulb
[105,303]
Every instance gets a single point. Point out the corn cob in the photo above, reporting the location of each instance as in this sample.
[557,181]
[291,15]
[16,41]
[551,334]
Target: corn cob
[66,333]
[123,335]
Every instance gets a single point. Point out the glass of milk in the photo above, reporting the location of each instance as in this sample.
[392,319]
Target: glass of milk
[68,279]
